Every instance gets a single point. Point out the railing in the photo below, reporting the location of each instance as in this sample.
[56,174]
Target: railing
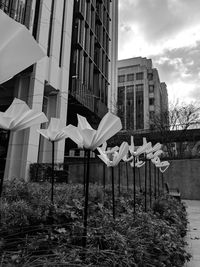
[82,94]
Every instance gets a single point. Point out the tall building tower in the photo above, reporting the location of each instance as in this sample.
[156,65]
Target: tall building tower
[85,77]
[43,86]
[93,59]
[141,95]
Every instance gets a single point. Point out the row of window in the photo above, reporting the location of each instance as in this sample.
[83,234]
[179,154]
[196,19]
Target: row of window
[139,87]
[131,76]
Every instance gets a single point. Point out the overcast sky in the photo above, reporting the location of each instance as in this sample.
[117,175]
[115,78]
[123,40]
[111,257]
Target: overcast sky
[168,32]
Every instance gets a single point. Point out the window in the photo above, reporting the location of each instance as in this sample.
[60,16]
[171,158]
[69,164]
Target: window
[50,28]
[139,110]
[77,153]
[151,115]
[139,76]
[130,88]
[36,19]
[121,104]
[151,101]
[121,78]
[151,88]
[62,35]
[150,76]
[139,87]
[130,77]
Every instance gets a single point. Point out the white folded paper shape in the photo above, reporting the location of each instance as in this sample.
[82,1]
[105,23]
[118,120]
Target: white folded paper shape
[138,163]
[86,137]
[155,160]
[18,48]
[126,158]
[140,150]
[154,155]
[55,131]
[153,149]
[163,166]
[19,116]
[112,160]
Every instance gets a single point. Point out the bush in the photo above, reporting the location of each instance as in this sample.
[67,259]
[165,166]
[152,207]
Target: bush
[35,233]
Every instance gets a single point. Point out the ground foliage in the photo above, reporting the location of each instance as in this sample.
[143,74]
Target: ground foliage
[35,233]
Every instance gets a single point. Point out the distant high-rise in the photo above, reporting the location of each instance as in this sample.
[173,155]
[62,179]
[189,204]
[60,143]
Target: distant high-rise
[141,95]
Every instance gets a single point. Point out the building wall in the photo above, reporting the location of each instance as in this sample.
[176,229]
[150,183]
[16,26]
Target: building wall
[137,108]
[113,50]
[93,22]
[45,86]
[46,83]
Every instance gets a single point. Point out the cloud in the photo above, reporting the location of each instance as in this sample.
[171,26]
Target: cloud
[168,32]
[180,69]
[157,20]
[179,64]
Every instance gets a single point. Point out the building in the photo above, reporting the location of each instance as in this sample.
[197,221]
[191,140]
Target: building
[58,25]
[141,95]
[90,69]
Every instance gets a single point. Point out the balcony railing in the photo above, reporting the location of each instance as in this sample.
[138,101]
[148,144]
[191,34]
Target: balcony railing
[82,94]
[87,98]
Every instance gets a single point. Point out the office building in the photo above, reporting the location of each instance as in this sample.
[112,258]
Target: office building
[141,95]
[91,73]
[58,25]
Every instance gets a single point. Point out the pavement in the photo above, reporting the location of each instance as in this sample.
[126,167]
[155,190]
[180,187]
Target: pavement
[193,234]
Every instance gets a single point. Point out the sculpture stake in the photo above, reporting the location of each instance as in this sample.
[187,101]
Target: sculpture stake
[86,200]
[113,192]
[52,174]
[145,187]
[155,185]
[150,183]
[127,182]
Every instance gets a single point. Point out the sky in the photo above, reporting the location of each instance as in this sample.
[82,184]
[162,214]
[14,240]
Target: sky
[168,32]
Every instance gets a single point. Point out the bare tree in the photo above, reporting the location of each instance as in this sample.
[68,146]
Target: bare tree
[178,119]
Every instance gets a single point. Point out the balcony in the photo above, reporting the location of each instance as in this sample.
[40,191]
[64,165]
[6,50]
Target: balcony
[82,94]
[86,97]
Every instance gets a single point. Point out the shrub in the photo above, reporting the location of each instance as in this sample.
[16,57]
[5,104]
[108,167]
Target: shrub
[46,235]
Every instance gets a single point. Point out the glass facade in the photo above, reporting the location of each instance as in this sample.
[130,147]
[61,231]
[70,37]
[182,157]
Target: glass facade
[121,105]
[19,10]
[139,76]
[130,107]
[130,77]
[139,106]
[90,54]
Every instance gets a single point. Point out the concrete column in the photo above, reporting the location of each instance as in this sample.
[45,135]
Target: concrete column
[62,97]
[112,89]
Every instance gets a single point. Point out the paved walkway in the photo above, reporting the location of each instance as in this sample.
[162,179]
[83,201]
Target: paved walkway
[193,236]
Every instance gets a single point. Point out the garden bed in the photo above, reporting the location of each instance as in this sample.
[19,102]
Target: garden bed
[35,233]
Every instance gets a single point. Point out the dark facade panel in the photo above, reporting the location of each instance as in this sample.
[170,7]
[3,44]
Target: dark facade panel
[90,53]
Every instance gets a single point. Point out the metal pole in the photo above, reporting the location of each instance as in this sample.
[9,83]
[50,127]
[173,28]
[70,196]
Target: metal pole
[104,176]
[86,199]
[119,179]
[155,186]
[127,182]
[145,185]
[84,171]
[140,185]
[6,139]
[150,182]
[158,183]
[134,184]
[52,177]
[113,192]
[162,175]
